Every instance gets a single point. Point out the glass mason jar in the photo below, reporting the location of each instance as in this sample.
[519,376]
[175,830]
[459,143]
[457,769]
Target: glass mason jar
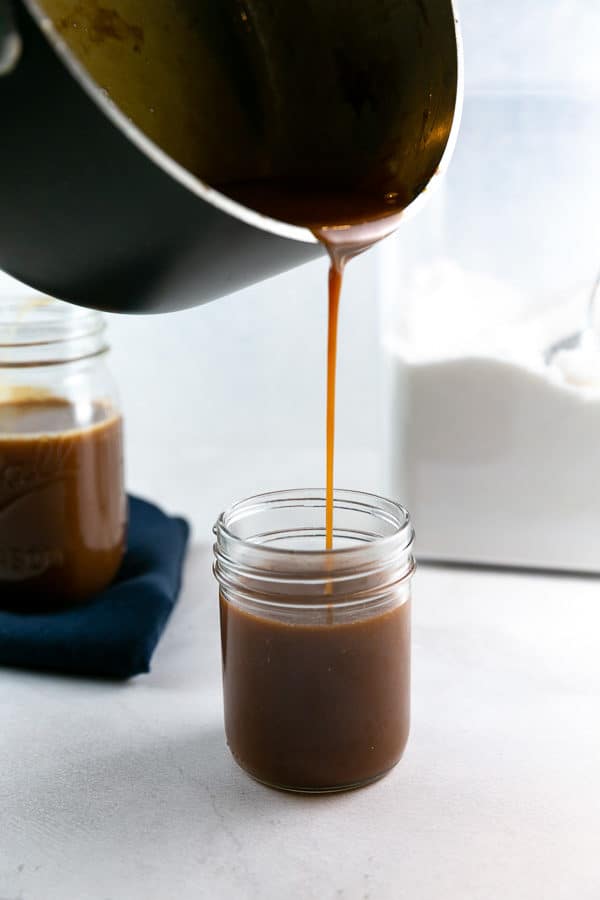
[315,643]
[62,496]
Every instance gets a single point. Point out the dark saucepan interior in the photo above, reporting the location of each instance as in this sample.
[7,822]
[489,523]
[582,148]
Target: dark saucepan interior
[313,112]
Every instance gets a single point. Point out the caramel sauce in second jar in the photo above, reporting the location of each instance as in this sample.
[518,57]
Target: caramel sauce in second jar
[62,503]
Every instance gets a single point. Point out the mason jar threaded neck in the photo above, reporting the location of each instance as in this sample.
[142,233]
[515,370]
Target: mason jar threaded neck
[270,550]
[41,331]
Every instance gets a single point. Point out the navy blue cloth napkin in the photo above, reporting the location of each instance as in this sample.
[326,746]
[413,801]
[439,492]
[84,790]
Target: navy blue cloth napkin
[116,633]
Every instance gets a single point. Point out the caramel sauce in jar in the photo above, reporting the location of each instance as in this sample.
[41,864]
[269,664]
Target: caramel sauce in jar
[315,643]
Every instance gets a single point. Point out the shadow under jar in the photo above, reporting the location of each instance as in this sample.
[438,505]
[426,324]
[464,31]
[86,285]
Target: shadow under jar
[62,496]
[315,643]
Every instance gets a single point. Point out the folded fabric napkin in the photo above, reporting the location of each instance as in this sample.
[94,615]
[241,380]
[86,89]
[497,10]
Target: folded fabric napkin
[116,633]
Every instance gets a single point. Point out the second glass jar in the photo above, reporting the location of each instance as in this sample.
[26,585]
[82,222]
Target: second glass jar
[62,495]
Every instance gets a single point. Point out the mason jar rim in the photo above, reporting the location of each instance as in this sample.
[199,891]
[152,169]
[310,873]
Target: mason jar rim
[43,331]
[376,557]
[309,496]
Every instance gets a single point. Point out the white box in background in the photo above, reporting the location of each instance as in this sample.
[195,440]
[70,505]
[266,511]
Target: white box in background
[496,453]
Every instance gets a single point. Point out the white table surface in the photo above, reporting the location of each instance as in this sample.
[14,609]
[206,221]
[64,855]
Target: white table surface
[120,792]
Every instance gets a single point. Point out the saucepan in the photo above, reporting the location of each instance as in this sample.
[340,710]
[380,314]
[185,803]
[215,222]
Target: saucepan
[123,121]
